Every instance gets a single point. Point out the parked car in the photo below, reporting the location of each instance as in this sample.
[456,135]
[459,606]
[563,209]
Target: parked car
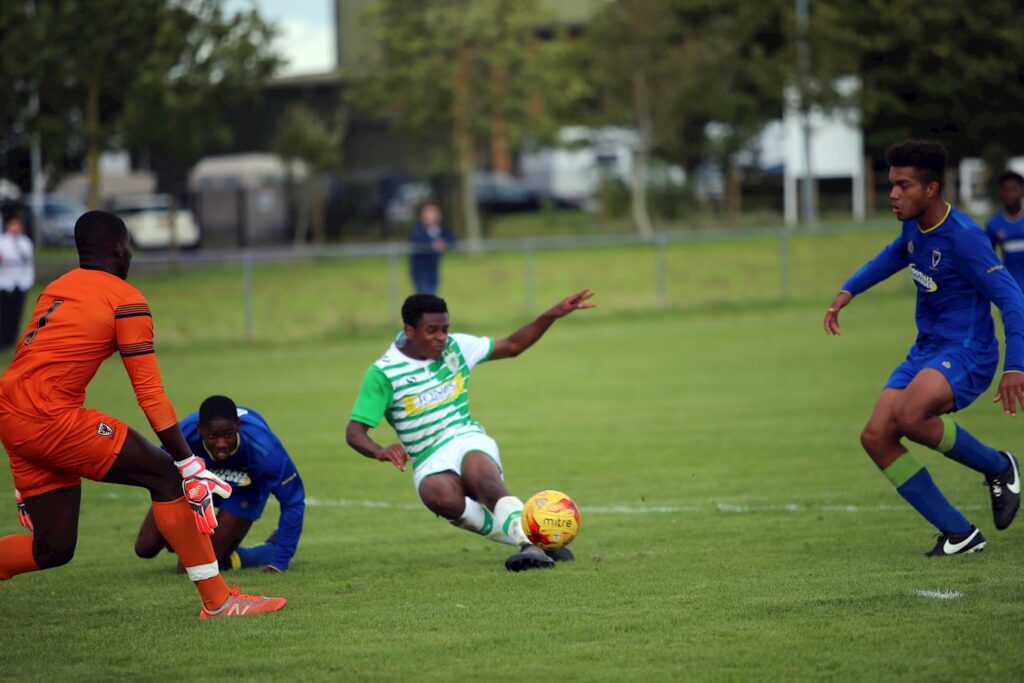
[500,193]
[60,213]
[149,220]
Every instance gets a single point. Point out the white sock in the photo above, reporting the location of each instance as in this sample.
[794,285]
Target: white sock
[478,519]
[508,514]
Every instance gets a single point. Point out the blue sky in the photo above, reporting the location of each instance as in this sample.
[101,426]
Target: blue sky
[306,27]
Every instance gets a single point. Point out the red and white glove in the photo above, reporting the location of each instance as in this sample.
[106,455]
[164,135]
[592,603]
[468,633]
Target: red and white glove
[23,516]
[199,486]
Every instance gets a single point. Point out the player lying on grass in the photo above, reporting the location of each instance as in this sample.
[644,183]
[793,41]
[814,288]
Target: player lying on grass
[421,386]
[52,440]
[956,352]
[238,446]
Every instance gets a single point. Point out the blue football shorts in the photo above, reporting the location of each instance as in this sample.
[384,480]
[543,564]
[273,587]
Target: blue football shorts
[969,372]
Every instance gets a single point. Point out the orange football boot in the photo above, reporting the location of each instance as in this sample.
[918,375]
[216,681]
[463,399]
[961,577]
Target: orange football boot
[239,604]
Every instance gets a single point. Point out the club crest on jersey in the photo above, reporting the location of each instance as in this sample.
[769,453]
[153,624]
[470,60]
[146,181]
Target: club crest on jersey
[925,282]
[449,391]
[452,361]
[104,429]
[910,247]
[936,257]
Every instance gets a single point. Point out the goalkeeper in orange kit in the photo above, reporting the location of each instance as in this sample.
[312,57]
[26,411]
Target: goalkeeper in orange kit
[52,441]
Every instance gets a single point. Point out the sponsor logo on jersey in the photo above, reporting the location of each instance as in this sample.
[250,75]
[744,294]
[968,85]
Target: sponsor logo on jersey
[925,282]
[234,477]
[1013,246]
[444,393]
[994,268]
[104,429]
[936,257]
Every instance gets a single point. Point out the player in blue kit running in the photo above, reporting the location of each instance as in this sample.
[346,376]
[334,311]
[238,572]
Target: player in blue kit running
[239,446]
[1006,228]
[956,352]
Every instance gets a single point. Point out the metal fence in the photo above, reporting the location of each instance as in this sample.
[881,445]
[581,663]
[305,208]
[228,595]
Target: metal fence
[770,249]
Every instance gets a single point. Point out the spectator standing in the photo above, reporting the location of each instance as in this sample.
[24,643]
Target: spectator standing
[430,239]
[17,275]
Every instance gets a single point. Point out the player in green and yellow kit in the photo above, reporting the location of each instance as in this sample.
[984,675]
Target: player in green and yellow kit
[421,386]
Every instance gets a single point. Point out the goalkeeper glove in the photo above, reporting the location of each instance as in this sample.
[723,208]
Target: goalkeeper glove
[199,486]
[23,516]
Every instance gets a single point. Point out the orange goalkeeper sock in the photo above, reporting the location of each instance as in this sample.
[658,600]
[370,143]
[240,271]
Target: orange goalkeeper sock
[177,523]
[16,556]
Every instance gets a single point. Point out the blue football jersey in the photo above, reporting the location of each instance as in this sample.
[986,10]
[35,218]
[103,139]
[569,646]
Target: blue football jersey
[1008,237]
[957,274]
[259,467]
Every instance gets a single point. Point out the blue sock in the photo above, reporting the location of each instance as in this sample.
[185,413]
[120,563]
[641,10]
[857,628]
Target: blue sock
[916,486]
[958,444]
[256,556]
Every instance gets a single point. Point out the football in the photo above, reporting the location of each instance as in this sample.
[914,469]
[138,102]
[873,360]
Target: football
[551,519]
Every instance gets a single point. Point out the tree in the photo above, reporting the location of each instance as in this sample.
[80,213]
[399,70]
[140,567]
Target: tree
[304,137]
[673,70]
[461,71]
[205,64]
[147,74]
[943,70]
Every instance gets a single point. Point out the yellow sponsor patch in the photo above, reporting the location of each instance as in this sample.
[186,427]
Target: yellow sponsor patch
[234,477]
[449,391]
[925,281]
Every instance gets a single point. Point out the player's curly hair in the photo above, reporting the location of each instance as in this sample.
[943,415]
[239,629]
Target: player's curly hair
[217,407]
[418,305]
[1011,175]
[928,158]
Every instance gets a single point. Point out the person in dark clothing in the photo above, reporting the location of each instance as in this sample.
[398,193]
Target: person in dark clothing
[429,239]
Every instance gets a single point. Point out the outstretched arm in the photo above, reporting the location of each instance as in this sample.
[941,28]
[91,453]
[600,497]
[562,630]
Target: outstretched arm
[892,259]
[889,261]
[527,335]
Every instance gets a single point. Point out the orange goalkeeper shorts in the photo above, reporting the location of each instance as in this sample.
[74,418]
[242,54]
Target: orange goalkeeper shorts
[57,453]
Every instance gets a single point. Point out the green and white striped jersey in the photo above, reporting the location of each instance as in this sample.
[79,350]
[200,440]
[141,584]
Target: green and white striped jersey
[426,401]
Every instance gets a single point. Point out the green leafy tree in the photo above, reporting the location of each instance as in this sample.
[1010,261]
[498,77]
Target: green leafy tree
[204,65]
[149,75]
[302,136]
[670,68]
[463,72]
[944,70]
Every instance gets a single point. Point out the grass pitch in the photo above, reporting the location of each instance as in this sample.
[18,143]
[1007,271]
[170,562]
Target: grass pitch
[732,527]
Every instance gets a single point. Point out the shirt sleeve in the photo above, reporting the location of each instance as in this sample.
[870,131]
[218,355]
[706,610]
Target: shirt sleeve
[288,489]
[418,236]
[133,325]
[977,261]
[374,397]
[892,259]
[475,350]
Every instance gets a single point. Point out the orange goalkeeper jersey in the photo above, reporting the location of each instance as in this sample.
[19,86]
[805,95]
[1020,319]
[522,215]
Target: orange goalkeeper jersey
[81,319]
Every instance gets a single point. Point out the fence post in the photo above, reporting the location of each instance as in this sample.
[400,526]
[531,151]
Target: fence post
[661,269]
[529,279]
[247,292]
[393,306]
[784,263]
